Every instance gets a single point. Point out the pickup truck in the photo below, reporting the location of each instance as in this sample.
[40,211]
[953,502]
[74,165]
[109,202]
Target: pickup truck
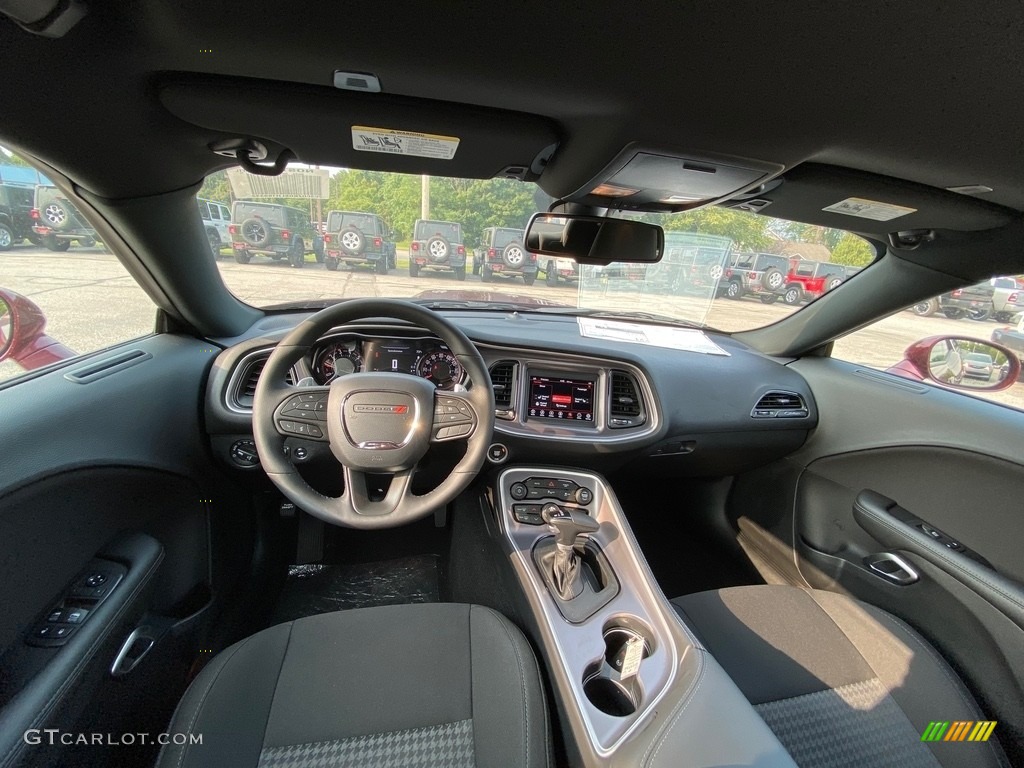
[1007,299]
[1000,298]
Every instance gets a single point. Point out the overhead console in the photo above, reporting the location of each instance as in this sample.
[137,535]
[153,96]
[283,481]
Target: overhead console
[650,179]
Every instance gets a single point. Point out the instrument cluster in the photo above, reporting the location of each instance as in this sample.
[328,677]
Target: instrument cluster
[425,357]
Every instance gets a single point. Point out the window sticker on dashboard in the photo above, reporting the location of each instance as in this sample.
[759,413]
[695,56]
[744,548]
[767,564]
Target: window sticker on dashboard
[685,339]
[394,142]
[868,209]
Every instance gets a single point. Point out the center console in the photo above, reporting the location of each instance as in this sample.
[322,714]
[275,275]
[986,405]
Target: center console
[632,683]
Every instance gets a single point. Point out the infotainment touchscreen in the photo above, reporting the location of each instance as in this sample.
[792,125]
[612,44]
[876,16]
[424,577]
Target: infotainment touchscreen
[561,399]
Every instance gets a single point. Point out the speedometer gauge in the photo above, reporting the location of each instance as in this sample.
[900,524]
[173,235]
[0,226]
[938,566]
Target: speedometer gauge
[441,367]
[336,359]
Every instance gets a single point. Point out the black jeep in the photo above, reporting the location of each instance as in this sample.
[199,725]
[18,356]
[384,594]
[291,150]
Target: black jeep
[502,252]
[58,222]
[437,245]
[15,215]
[359,238]
[278,231]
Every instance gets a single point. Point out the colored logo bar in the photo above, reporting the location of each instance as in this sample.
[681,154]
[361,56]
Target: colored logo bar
[958,730]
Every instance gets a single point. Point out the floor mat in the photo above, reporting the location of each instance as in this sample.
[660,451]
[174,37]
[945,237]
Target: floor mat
[313,589]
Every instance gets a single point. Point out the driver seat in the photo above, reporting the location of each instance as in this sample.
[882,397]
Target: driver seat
[399,686]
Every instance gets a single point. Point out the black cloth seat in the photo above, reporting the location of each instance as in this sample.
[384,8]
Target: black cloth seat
[401,686]
[840,682]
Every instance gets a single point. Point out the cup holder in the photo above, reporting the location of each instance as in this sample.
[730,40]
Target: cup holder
[604,683]
[612,698]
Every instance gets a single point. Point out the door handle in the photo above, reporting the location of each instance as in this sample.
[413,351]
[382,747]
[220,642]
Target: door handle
[892,567]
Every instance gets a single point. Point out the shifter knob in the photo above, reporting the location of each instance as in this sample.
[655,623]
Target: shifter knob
[568,524]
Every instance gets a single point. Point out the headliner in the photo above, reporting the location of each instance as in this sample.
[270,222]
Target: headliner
[881,87]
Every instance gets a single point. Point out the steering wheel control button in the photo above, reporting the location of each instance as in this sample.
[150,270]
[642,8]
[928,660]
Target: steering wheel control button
[518,491]
[584,496]
[497,453]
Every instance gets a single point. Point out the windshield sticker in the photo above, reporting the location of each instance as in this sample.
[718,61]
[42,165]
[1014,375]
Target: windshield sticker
[685,339]
[869,209]
[403,143]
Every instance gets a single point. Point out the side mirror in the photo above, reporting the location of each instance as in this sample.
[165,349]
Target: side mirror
[960,363]
[22,333]
[594,239]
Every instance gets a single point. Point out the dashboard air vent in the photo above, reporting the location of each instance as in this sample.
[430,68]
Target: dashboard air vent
[503,375]
[780,405]
[246,389]
[626,408]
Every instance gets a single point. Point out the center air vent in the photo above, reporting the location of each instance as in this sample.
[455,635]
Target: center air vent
[503,375]
[626,407]
[780,405]
[246,389]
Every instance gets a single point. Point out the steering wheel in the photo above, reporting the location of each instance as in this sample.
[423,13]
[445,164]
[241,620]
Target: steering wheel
[380,423]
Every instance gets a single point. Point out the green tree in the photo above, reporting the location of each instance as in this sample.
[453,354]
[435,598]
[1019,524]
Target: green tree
[10,158]
[216,187]
[748,231]
[853,251]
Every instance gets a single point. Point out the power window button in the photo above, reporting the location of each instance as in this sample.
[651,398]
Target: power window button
[54,616]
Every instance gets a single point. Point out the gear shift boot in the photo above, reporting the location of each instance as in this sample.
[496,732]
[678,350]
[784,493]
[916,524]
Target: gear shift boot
[564,569]
[593,584]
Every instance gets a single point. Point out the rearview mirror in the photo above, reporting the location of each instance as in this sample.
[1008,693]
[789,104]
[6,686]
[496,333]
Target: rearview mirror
[594,239]
[960,363]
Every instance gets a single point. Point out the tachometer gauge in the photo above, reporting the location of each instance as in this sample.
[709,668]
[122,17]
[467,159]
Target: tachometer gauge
[336,359]
[441,367]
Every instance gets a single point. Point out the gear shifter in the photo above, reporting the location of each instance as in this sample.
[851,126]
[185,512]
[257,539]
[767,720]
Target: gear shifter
[568,525]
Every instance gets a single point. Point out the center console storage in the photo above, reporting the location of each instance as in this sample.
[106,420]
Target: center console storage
[623,667]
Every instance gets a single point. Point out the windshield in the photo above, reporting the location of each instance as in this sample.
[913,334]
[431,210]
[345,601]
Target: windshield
[455,241]
[445,229]
[503,237]
[246,210]
[364,222]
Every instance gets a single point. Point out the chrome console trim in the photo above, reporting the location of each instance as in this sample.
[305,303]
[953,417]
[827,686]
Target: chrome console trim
[573,648]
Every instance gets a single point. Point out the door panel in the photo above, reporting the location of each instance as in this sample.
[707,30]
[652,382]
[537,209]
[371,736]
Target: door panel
[949,460]
[102,451]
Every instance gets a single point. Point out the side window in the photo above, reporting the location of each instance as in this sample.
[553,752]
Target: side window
[63,293]
[972,319]
[204,210]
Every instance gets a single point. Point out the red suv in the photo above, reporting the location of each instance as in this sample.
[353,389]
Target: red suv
[807,280]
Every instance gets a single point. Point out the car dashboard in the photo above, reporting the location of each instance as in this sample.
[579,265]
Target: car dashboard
[560,396]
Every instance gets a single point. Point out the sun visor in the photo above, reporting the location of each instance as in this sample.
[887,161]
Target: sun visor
[379,132]
[829,196]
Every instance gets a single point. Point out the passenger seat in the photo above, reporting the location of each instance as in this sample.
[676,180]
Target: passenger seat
[840,682]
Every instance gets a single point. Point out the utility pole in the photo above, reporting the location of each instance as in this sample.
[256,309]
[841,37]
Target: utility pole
[424,197]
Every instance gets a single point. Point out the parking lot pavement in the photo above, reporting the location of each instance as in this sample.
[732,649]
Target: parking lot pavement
[90,301]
